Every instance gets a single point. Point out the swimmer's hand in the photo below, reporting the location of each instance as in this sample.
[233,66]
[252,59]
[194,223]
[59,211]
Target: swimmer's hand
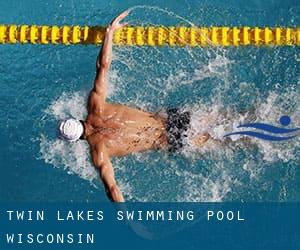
[115,24]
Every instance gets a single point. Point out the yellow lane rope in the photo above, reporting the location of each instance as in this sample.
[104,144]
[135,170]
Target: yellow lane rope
[152,35]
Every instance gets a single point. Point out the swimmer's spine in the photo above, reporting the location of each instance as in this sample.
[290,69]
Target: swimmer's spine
[152,36]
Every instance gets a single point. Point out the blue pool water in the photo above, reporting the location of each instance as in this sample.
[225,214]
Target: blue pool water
[42,84]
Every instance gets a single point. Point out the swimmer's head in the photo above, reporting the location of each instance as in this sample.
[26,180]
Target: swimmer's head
[70,130]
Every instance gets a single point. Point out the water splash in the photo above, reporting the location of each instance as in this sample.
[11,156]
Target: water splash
[215,85]
[192,185]
[74,158]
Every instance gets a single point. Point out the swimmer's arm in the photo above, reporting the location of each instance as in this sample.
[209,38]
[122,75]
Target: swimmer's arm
[103,164]
[105,56]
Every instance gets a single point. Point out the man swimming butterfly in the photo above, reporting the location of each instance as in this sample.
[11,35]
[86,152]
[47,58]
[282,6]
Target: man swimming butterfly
[117,130]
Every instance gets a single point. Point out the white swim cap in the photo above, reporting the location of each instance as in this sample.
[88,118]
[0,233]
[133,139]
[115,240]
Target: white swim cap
[70,130]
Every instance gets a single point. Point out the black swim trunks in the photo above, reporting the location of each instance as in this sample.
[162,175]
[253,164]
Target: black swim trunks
[177,125]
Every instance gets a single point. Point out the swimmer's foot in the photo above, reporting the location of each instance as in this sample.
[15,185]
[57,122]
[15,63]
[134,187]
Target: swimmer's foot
[200,140]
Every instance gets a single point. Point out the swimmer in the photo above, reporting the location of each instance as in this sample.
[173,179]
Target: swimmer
[114,130]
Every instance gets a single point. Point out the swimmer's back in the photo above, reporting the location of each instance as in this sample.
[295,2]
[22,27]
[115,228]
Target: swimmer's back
[126,130]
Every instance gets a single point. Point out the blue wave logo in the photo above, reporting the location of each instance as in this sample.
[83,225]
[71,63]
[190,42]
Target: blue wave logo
[279,133]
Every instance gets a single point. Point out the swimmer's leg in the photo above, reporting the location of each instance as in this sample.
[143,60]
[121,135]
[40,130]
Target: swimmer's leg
[200,140]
